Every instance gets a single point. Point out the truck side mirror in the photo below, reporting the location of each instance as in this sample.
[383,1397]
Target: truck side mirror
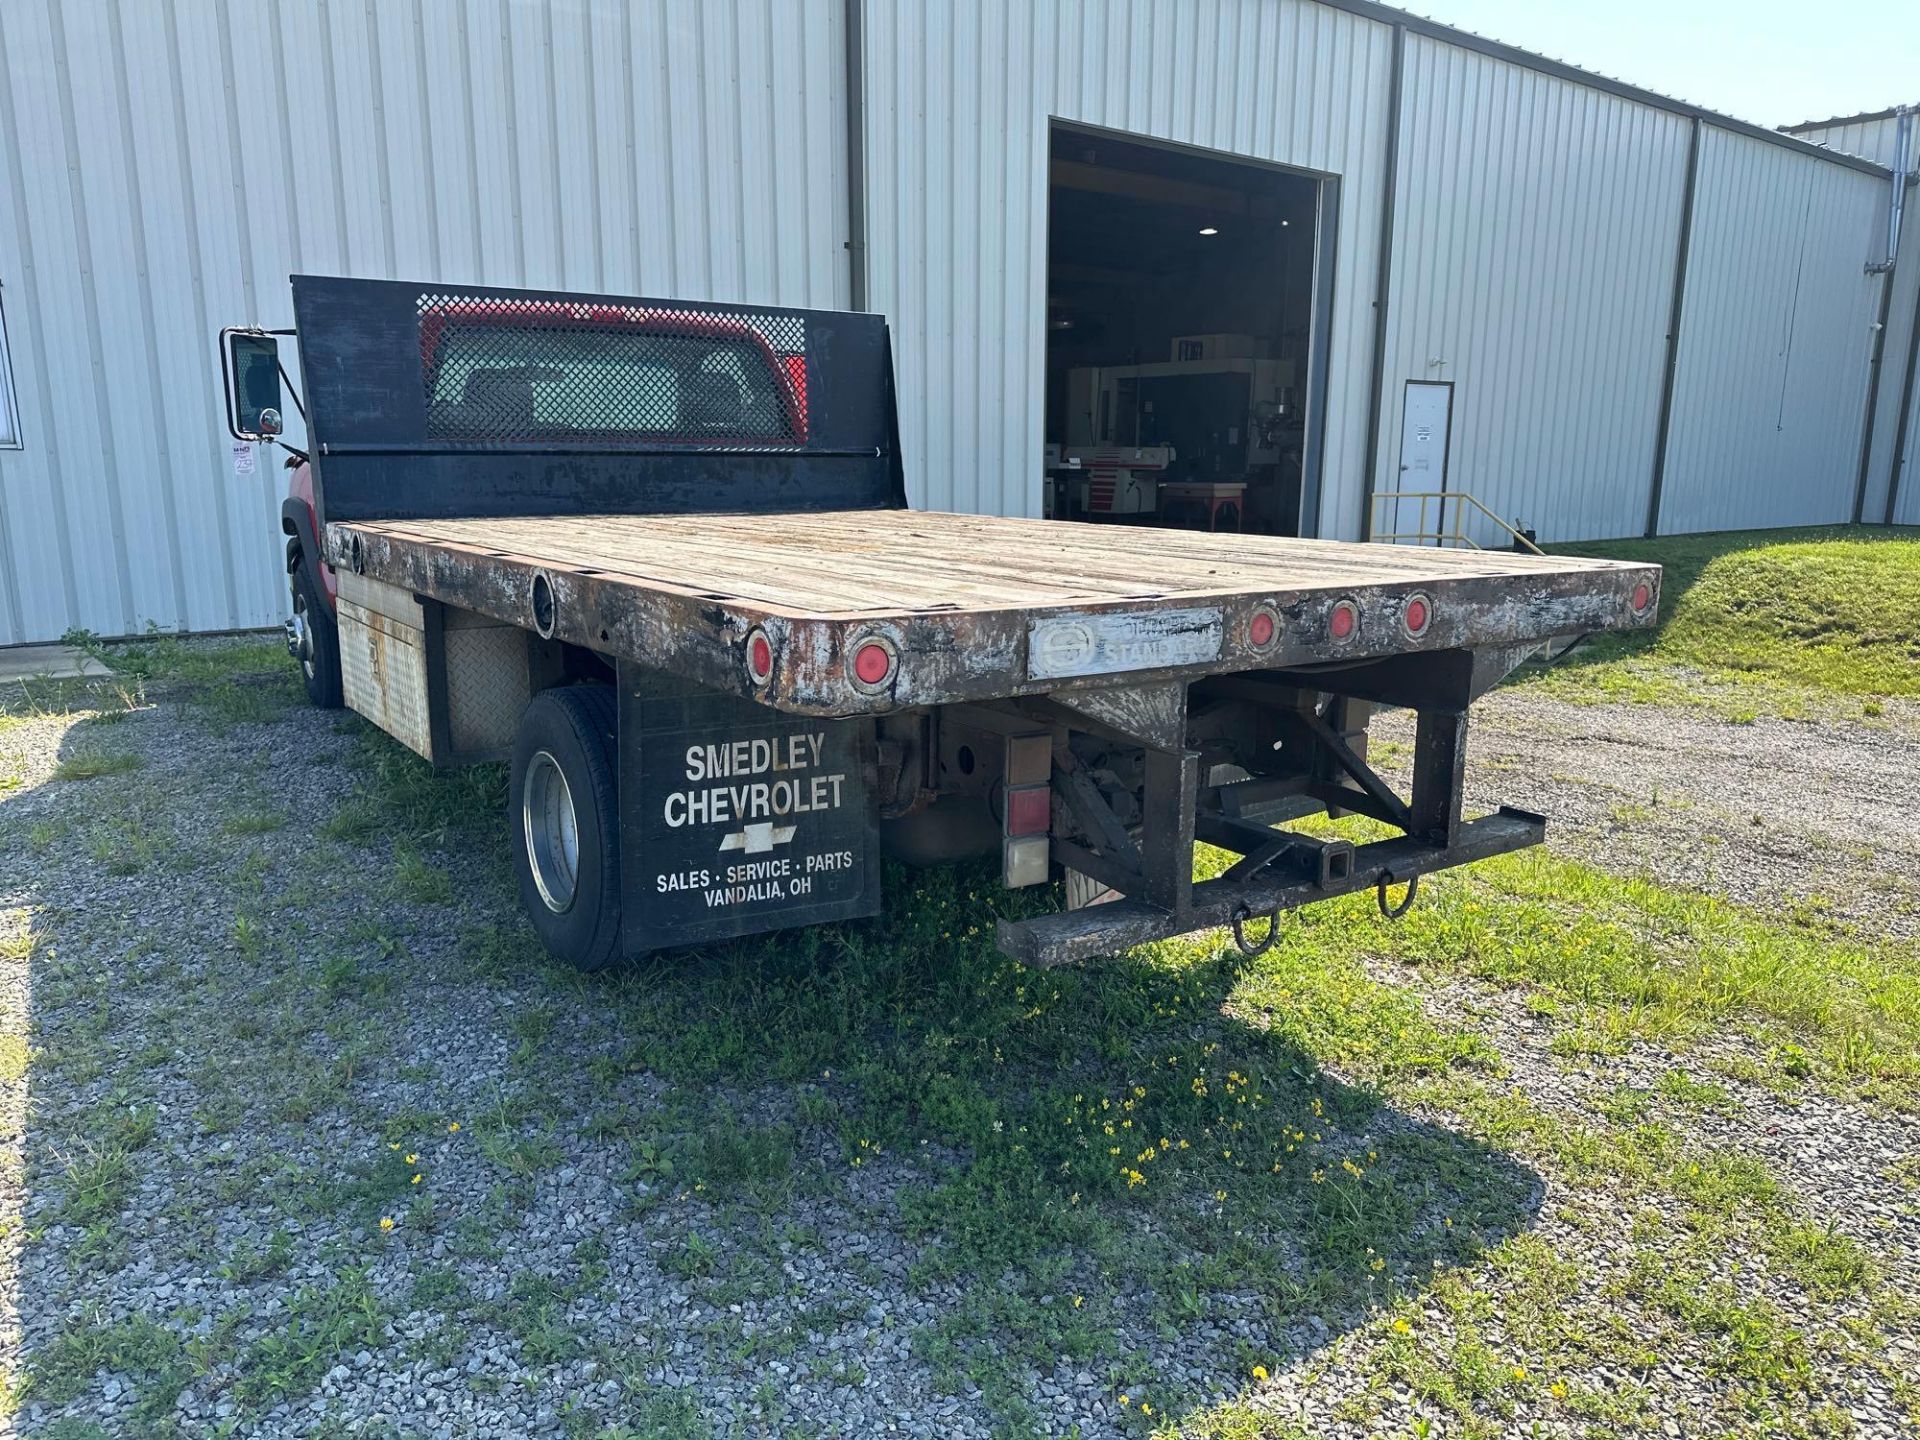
[251,362]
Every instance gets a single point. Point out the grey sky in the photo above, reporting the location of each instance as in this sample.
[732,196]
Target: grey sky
[1761,60]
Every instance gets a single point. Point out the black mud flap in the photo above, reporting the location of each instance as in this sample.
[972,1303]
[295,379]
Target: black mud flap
[736,819]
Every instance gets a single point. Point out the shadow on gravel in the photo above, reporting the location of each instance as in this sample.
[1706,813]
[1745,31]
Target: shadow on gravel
[314,1136]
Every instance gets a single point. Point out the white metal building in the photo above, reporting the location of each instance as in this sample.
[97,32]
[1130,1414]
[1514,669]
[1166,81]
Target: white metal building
[1890,491]
[1644,316]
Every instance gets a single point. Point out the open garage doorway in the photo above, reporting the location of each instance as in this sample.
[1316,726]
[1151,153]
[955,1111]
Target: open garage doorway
[1186,300]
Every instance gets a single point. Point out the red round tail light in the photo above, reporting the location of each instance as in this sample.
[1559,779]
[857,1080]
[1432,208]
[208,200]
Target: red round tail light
[1417,615]
[1264,628]
[759,657]
[873,662]
[1642,597]
[1344,622]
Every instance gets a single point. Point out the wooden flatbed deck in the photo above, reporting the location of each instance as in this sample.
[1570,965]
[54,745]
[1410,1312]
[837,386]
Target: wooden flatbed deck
[960,594]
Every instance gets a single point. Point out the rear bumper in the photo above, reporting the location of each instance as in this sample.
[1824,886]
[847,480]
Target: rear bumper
[1106,929]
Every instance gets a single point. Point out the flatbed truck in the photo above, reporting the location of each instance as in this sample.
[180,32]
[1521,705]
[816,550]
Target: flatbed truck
[657,555]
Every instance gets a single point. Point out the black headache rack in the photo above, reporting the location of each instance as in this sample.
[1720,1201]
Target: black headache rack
[434,402]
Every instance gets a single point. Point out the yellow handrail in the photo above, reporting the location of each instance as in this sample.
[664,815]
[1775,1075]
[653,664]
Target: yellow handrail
[1455,503]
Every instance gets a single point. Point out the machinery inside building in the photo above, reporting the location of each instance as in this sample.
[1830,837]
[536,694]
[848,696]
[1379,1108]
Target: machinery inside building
[1179,327]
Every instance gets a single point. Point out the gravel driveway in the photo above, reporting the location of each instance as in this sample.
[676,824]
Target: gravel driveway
[1772,812]
[302,1139]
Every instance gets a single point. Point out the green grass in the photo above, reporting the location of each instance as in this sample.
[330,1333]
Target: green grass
[1752,621]
[227,682]
[137,1346]
[94,764]
[176,660]
[322,1323]
[1078,1158]
[1623,958]
[97,1184]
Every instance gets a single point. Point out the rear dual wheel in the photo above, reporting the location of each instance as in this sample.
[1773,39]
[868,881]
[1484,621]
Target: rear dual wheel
[563,804]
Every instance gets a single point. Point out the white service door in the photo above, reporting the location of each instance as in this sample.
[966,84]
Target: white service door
[1426,413]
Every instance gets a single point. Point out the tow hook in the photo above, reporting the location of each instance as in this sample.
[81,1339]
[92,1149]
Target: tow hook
[1387,908]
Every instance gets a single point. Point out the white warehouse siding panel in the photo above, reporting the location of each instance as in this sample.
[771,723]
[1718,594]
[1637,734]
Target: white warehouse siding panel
[1870,139]
[1906,510]
[1877,139]
[1903,312]
[1906,503]
[1537,226]
[168,165]
[959,94]
[1775,340]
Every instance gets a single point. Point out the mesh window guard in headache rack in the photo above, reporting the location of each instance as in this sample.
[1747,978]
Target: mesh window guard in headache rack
[510,370]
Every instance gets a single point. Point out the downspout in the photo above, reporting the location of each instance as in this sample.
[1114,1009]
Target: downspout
[1896,207]
[1385,283]
[1663,426]
[1897,202]
[853,20]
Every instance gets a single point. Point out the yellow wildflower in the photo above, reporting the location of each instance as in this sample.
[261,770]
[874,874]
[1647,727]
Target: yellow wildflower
[413,1159]
[386,1222]
[1259,1372]
[418,1177]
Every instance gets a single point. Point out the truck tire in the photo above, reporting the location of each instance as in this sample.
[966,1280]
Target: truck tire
[315,639]
[563,806]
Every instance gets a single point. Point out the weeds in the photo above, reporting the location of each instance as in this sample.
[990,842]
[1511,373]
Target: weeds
[97,1184]
[322,1322]
[93,764]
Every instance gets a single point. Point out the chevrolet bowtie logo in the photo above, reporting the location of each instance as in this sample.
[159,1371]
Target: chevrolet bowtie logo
[758,838]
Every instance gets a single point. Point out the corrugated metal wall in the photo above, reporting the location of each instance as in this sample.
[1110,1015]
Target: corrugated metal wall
[168,165]
[959,94]
[1903,314]
[1906,510]
[1870,139]
[1775,340]
[1877,139]
[1536,227]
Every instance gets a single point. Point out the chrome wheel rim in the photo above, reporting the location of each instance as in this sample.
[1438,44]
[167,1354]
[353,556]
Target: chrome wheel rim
[302,636]
[305,633]
[552,832]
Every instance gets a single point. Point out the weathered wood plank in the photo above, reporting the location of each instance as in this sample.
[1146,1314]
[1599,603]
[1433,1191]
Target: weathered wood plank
[910,561]
[959,597]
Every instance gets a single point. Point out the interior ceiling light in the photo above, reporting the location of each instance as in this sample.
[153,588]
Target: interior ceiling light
[1208,230]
